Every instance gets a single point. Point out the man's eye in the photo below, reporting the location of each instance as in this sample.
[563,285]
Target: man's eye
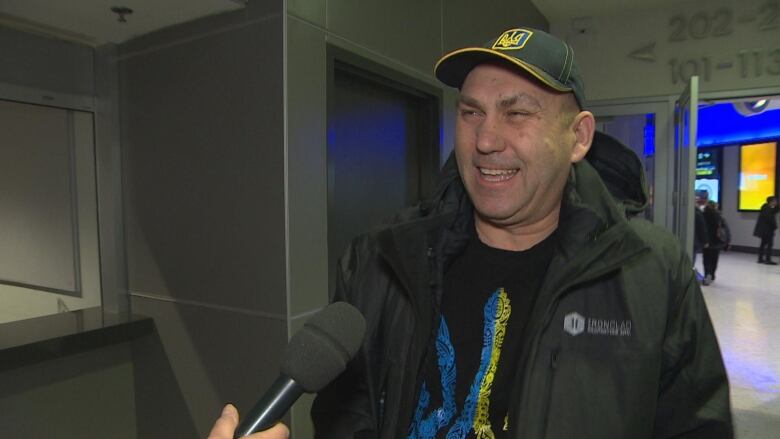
[469,113]
[518,113]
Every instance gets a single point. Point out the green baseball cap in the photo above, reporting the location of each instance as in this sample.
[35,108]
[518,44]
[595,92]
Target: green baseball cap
[547,58]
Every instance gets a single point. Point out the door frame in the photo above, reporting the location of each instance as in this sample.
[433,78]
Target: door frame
[686,125]
[430,98]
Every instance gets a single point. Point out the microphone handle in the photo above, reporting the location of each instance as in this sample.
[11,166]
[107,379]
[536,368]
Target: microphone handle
[270,409]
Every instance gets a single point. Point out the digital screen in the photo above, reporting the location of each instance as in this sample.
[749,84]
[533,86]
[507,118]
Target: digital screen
[712,186]
[708,172]
[757,174]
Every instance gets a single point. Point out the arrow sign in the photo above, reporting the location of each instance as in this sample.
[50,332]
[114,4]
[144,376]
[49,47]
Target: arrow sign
[644,53]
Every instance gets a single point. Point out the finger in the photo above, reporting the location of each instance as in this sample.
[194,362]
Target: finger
[278,431]
[226,424]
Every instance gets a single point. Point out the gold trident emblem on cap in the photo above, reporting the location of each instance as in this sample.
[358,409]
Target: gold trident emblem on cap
[512,39]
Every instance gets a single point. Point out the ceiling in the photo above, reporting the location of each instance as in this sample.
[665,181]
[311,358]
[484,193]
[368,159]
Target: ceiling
[558,10]
[93,23]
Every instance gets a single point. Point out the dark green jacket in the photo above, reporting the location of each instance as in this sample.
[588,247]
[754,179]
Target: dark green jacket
[620,344]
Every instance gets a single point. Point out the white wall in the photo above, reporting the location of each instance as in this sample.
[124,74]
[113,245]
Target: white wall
[723,39]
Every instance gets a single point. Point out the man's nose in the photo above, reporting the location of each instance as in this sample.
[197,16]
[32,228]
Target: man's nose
[488,137]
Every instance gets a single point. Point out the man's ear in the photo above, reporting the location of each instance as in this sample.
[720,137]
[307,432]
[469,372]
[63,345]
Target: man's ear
[584,126]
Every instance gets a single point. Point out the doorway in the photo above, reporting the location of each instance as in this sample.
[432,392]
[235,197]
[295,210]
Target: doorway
[382,146]
[629,121]
[645,128]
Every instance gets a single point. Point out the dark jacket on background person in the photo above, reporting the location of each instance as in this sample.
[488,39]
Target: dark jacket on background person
[766,224]
[619,343]
[714,221]
[700,232]
[726,233]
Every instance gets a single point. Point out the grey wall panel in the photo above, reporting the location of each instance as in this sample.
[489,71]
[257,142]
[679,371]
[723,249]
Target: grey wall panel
[45,63]
[217,356]
[109,181]
[202,131]
[467,23]
[254,11]
[86,395]
[406,30]
[308,236]
[313,11]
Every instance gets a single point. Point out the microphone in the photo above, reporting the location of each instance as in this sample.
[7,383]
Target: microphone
[315,356]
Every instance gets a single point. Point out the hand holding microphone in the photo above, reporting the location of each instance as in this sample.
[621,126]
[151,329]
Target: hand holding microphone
[315,356]
[227,422]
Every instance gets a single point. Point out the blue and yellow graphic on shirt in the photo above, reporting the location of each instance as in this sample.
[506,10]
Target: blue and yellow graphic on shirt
[476,408]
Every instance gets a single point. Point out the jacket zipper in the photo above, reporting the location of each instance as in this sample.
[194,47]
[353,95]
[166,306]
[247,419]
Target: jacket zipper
[548,316]
[381,407]
[400,430]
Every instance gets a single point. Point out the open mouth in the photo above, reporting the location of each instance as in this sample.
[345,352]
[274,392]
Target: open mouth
[497,174]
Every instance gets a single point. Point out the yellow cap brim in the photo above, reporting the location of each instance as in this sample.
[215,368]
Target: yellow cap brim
[453,67]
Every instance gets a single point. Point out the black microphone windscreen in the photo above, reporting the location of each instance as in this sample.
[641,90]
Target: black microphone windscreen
[320,351]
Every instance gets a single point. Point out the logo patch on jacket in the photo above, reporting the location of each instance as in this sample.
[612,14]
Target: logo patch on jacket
[575,324]
[512,39]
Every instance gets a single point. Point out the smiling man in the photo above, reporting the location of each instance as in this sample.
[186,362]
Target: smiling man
[526,298]
[515,141]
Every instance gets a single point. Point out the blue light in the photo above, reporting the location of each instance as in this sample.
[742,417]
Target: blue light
[649,148]
[721,124]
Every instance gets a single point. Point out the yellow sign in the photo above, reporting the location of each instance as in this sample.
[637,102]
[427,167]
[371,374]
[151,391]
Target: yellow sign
[757,174]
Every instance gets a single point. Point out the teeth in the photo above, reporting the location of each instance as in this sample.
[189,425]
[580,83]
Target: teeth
[497,171]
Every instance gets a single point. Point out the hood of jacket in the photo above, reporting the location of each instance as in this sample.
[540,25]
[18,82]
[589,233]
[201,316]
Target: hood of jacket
[621,171]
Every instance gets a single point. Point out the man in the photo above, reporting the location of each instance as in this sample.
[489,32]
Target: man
[701,240]
[523,299]
[766,224]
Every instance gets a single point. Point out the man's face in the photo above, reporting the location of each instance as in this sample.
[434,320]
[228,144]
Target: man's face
[515,144]
[773,202]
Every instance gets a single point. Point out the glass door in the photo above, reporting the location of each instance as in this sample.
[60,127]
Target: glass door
[685,124]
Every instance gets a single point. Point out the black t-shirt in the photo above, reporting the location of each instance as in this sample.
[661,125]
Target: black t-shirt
[488,296]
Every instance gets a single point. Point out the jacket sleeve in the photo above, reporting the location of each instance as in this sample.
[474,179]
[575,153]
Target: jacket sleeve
[693,399]
[702,236]
[344,409]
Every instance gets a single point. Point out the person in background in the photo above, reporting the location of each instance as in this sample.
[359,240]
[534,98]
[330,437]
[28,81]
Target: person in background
[725,231]
[711,252]
[766,224]
[700,233]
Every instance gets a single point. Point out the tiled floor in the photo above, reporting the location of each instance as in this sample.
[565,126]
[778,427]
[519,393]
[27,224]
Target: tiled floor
[744,303]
